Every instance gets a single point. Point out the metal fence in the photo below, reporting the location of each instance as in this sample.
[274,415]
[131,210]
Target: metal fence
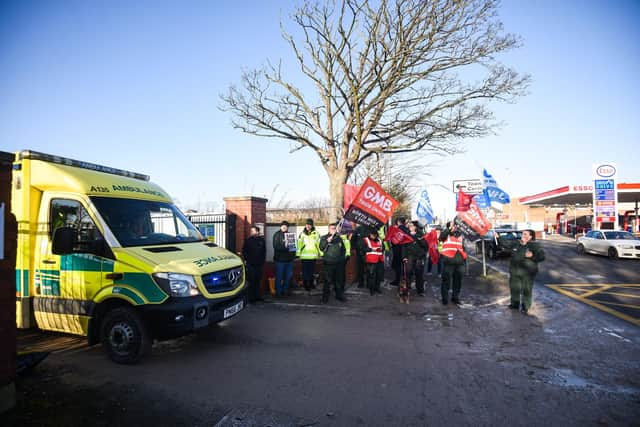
[219,228]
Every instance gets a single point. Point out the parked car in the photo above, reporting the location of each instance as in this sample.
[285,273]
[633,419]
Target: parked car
[614,244]
[499,242]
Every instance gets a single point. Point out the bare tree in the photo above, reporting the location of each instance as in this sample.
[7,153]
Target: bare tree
[386,78]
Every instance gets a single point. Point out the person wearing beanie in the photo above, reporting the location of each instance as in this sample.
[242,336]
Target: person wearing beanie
[283,255]
[308,250]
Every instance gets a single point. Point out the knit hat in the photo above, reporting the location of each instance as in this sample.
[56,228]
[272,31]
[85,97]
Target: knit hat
[309,221]
[284,223]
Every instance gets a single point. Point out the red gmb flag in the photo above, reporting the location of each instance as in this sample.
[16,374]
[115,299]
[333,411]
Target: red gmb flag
[475,219]
[463,202]
[396,236]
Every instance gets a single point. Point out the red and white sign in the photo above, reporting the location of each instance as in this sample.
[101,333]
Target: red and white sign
[475,219]
[372,206]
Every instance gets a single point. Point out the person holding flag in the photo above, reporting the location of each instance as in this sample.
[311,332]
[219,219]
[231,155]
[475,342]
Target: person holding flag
[398,236]
[453,259]
[374,259]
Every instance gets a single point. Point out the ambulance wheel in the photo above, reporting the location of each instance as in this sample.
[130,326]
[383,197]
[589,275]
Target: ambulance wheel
[125,336]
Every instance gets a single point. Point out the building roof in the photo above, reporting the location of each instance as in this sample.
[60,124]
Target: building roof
[580,194]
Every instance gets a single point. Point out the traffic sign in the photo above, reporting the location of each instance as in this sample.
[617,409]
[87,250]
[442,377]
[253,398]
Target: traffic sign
[469,186]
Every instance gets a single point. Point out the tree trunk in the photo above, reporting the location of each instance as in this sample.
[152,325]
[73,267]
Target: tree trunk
[337,179]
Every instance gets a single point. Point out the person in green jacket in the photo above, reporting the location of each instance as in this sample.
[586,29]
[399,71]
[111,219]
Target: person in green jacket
[333,255]
[308,250]
[523,269]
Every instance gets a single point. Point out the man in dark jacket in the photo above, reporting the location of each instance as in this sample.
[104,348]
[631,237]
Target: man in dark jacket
[523,269]
[254,252]
[333,256]
[284,252]
[357,243]
[414,254]
[454,258]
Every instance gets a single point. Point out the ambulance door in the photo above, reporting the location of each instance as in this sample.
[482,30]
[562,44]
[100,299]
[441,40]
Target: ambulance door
[65,283]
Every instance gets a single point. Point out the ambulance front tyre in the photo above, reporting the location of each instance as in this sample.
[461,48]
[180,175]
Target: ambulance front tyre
[125,336]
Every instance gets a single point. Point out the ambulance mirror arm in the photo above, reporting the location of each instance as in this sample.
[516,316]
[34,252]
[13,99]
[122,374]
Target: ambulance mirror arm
[64,239]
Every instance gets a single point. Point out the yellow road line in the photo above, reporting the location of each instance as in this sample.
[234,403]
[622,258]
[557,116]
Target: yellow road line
[622,295]
[617,304]
[595,291]
[558,288]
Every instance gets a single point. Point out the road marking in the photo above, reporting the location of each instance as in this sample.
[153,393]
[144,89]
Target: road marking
[590,297]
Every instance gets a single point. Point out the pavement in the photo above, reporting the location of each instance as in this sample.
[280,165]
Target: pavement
[370,361]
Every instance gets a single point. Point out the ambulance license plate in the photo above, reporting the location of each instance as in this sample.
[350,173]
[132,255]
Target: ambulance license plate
[228,312]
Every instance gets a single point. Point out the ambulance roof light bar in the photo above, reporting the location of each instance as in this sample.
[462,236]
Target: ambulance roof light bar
[35,155]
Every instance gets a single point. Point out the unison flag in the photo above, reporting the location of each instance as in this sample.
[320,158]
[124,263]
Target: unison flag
[424,210]
[491,190]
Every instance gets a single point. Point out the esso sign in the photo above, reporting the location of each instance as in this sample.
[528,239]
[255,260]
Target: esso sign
[606,171]
[373,195]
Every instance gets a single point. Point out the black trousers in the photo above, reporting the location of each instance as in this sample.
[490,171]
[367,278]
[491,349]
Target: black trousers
[452,278]
[375,274]
[333,277]
[396,264]
[360,264]
[254,277]
[415,267]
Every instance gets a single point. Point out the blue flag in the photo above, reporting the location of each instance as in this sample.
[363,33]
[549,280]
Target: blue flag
[491,190]
[482,201]
[424,210]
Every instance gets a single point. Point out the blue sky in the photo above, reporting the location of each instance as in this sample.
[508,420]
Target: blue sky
[136,85]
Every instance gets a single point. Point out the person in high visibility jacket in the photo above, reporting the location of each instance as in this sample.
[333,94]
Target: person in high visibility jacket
[308,250]
[374,260]
[453,259]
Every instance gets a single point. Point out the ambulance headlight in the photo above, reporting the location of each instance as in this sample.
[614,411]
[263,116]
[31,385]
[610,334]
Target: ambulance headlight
[177,285]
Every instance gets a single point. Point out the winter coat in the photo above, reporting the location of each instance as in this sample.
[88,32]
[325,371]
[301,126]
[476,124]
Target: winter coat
[416,249]
[334,251]
[280,251]
[254,250]
[520,264]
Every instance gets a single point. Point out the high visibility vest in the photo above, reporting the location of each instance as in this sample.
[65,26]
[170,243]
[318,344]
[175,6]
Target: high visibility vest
[308,245]
[374,253]
[451,246]
[347,246]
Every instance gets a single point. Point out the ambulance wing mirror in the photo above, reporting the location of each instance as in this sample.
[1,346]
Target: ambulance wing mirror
[64,239]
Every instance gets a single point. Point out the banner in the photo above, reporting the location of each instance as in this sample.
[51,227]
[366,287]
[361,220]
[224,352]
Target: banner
[424,210]
[463,201]
[350,192]
[491,190]
[290,241]
[396,236]
[372,206]
[473,219]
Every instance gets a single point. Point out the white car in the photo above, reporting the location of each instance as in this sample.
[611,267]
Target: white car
[614,244]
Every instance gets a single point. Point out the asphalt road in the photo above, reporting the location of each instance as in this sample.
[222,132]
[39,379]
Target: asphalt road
[564,265]
[370,362]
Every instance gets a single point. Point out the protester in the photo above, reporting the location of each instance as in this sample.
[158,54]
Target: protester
[284,252]
[523,269]
[453,258]
[396,262]
[254,252]
[308,251]
[414,254]
[333,256]
[358,244]
[374,258]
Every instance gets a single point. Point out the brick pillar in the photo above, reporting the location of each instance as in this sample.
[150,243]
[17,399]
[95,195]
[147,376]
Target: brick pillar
[249,210]
[7,289]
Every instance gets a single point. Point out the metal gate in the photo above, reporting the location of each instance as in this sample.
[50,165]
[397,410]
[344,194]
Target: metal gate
[219,228]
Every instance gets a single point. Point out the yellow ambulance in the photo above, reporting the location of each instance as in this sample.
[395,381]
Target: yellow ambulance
[104,252]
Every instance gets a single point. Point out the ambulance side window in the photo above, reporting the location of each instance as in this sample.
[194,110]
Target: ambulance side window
[70,213]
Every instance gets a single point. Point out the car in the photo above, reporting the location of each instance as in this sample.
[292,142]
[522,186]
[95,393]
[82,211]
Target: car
[499,242]
[614,244]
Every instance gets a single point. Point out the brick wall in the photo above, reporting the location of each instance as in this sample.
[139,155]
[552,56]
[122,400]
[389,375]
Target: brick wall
[249,210]
[7,290]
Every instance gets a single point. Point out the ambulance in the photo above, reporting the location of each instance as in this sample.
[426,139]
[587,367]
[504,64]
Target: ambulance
[104,253]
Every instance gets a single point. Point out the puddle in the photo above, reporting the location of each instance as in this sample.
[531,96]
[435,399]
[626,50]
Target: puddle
[567,378]
[610,332]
